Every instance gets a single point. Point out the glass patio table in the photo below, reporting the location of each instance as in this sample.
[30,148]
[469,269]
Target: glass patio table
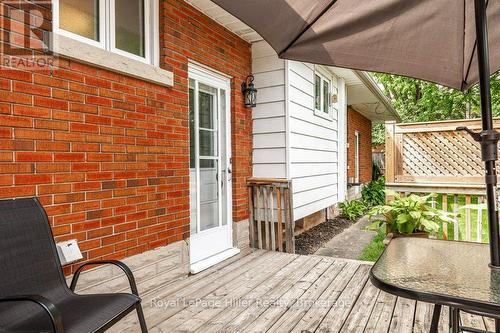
[456,274]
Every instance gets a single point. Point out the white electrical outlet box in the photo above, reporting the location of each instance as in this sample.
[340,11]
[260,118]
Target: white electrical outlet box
[69,251]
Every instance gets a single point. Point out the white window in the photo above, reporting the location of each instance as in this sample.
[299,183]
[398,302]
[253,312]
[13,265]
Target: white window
[322,95]
[125,27]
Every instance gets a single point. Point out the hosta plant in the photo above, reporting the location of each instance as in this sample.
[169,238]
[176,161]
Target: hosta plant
[352,209]
[410,214]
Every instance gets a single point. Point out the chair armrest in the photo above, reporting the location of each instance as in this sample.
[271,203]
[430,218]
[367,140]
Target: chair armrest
[48,307]
[117,263]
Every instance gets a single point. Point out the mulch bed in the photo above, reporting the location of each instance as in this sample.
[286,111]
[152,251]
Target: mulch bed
[310,241]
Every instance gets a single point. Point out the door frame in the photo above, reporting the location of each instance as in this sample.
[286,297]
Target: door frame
[215,79]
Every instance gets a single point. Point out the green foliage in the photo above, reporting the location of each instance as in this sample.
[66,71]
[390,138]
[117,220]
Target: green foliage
[374,250]
[406,215]
[373,193]
[352,209]
[378,134]
[417,101]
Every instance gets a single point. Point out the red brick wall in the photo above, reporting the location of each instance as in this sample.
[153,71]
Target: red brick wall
[191,35]
[107,154]
[357,122]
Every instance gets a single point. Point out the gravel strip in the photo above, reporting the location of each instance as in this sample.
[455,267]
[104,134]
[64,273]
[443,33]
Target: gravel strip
[310,241]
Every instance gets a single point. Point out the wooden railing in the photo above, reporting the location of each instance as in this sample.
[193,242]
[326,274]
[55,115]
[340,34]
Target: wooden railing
[271,224]
[433,157]
[471,224]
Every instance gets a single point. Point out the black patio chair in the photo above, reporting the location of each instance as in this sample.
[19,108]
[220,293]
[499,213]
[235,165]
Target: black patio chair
[34,296]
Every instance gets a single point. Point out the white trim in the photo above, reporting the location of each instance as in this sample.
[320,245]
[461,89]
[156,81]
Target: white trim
[288,160]
[147,33]
[205,74]
[217,239]
[99,57]
[196,66]
[197,153]
[102,27]
[342,139]
[155,22]
[201,265]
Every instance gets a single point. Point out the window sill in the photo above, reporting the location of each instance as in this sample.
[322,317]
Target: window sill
[321,114]
[67,47]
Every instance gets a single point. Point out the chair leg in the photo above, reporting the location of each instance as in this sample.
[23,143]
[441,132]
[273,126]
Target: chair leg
[142,320]
[454,320]
[435,318]
[497,325]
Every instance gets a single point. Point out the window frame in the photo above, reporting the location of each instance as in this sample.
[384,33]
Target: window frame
[323,79]
[147,33]
[107,31]
[102,26]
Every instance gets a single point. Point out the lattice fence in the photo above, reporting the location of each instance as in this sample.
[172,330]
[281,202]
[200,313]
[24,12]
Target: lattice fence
[433,153]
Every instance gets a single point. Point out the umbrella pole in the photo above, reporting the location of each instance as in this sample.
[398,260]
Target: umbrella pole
[489,137]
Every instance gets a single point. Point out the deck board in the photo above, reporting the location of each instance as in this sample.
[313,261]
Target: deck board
[278,292]
[381,315]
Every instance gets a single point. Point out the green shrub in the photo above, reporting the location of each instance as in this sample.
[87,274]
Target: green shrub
[373,193]
[406,215]
[352,209]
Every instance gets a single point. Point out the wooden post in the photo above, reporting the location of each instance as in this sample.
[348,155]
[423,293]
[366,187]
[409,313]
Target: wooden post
[271,218]
[289,223]
[266,217]
[280,219]
[456,230]
[291,218]
[390,151]
[444,206]
[390,168]
[479,227]
[259,225]
[251,222]
[468,228]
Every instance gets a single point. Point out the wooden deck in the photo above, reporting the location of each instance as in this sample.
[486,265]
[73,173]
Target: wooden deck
[277,292]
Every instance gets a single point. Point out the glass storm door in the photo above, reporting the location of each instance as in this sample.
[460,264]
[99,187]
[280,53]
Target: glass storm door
[210,171]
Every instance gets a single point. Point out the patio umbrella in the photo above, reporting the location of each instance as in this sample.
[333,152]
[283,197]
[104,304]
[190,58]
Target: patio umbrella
[442,41]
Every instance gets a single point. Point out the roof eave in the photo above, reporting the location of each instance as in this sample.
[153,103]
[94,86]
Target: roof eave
[370,83]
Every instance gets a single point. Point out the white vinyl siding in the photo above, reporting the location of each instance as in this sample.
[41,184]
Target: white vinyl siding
[269,122]
[314,148]
[289,139]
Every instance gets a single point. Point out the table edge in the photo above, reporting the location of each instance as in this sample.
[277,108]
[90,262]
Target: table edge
[452,301]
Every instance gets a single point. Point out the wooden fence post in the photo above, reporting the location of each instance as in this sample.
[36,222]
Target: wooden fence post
[390,150]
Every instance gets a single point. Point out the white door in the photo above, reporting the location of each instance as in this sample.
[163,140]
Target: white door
[210,168]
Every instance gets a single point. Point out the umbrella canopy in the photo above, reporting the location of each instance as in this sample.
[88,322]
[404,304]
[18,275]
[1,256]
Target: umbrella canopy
[455,43]
[432,40]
